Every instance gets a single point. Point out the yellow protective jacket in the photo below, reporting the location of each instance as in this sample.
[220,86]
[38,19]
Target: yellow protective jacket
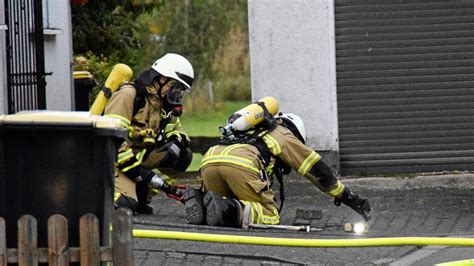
[149,116]
[281,143]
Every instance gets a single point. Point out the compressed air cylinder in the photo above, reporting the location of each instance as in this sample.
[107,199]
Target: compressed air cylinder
[120,73]
[253,114]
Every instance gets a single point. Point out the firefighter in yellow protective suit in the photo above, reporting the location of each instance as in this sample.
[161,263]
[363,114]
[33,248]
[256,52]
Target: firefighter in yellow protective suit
[236,175]
[149,108]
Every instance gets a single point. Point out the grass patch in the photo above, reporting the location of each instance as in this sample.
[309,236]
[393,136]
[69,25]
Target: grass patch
[208,123]
[196,163]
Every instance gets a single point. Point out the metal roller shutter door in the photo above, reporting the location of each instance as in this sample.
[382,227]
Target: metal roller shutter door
[405,85]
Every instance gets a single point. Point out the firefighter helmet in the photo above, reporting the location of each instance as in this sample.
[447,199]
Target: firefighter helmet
[294,123]
[176,67]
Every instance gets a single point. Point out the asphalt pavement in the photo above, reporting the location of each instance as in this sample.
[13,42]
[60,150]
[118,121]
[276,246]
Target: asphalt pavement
[434,205]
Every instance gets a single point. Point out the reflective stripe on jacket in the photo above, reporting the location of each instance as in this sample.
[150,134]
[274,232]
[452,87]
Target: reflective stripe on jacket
[280,142]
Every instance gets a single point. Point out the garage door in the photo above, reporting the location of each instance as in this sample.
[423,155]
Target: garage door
[405,85]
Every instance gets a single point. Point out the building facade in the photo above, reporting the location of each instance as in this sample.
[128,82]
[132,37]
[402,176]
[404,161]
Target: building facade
[35,56]
[383,86]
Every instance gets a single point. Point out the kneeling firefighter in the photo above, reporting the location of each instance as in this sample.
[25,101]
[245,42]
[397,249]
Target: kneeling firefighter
[257,144]
[149,108]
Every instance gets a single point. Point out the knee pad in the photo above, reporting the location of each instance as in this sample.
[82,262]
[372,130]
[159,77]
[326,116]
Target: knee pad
[168,159]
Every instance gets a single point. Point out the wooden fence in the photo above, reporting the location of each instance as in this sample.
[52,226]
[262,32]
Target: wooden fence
[58,251]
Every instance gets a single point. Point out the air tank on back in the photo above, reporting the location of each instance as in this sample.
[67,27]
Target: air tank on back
[251,115]
[119,74]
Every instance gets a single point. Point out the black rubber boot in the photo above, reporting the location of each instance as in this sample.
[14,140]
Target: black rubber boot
[144,209]
[194,206]
[142,189]
[222,211]
[356,202]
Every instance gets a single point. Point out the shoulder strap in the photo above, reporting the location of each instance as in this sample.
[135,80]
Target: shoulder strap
[279,177]
[139,100]
[140,97]
[263,150]
[280,169]
[138,103]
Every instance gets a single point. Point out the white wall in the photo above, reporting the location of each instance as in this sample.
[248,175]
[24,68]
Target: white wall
[3,62]
[292,55]
[58,54]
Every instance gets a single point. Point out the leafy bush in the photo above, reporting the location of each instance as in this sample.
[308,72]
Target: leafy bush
[211,34]
[98,66]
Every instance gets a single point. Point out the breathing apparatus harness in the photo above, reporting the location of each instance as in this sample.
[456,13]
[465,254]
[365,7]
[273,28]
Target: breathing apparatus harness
[254,137]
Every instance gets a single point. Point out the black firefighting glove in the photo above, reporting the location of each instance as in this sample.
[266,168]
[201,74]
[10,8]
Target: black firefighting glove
[179,139]
[356,202]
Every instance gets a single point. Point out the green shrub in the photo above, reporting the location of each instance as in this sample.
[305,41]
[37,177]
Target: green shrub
[98,66]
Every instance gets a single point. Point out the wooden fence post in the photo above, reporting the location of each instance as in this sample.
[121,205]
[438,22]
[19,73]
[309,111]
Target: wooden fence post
[122,238]
[89,240]
[27,241]
[3,243]
[58,240]
[58,252]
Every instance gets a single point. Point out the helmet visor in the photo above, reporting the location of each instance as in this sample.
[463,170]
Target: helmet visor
[175,94]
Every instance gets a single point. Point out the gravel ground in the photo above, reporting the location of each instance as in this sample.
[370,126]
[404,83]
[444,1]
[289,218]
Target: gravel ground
[424,205]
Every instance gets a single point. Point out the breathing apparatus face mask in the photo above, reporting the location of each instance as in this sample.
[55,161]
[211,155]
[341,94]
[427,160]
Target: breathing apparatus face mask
[172,94]
[175,94]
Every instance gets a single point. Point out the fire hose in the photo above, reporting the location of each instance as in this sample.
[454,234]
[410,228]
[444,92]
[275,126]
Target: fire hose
[295,242]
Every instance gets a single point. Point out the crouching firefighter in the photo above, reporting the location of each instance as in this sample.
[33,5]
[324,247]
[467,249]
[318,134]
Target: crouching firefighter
[149,108]
[237,174]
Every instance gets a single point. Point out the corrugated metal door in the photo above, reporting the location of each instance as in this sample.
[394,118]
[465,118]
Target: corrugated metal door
[405,85]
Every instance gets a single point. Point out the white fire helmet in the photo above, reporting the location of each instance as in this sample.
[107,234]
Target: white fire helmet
[294,123]
[176,67]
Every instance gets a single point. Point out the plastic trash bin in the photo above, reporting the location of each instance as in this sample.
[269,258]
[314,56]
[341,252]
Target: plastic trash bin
[83,84]
[57,163]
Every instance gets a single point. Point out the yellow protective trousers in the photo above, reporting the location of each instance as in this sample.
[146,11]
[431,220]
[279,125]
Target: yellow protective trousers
[245,185]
